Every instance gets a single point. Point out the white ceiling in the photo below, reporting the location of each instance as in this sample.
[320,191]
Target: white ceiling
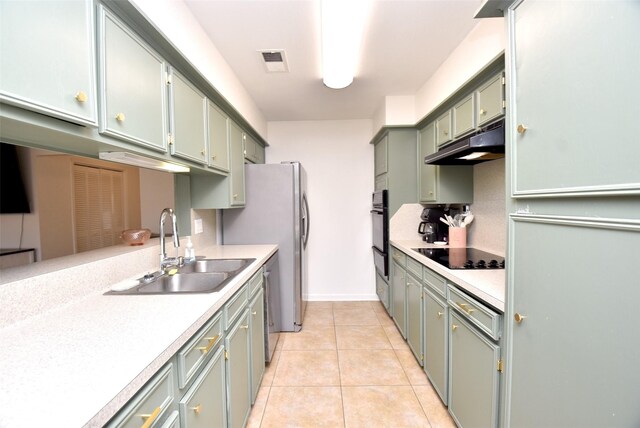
[404,43]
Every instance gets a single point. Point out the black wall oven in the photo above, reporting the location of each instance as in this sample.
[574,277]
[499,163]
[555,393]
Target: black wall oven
[380,223]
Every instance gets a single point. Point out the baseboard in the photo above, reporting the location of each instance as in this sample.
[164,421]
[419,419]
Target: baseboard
[341,297]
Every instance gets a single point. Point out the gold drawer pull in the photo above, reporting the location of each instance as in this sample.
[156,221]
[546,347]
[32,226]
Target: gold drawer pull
[454,327]
[213,157]
[440,314]
[464,307]
[197,409]
[244,327]
[235,196]
[521,129]
[519,317]
[254,313]
[120,117]
[148,419]
[81,97]
[212,341]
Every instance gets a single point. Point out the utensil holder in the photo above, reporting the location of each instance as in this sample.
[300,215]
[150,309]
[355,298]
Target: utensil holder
[457,236]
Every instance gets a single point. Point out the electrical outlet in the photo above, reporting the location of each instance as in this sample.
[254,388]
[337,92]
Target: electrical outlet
[197,224]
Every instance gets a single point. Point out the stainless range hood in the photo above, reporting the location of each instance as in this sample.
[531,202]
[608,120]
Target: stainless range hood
[485,145]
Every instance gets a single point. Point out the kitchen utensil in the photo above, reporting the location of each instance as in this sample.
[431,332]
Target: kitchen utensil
[467,220]
[135,236]
[445,221]
[450,219]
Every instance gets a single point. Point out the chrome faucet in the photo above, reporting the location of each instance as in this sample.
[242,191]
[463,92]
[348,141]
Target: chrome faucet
[164,260]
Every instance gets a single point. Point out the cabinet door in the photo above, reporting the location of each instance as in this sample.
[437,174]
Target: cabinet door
[237,164]
[463,117]
[188,120]
[435,314]
[204,404]
[218,138]
[587,138]
[380,156]
[443,129]
[48,58]
[473,376]
[132,80]
[260,153]
[249,148]
[490,98]
[428,174]
[256,311]
[237,344]
[414,317]
[382,290]
[398,283]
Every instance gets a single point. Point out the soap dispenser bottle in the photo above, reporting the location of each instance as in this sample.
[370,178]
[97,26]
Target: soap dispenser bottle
[189,251]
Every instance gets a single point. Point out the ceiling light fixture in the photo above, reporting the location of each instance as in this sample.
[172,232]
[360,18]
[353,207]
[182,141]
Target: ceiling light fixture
[343,24]
[142,161]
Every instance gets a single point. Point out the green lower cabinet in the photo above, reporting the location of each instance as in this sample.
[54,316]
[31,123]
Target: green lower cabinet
[414,316]
[435,314]
[256,327]
[398,284]
[204,405]
[473,375]
[238,361]
[173,421]
[383,292]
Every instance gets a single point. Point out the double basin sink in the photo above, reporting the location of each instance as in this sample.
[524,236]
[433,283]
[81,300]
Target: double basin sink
[199,276]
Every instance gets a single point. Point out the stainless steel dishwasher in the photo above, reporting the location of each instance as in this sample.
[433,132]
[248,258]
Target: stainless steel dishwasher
[272,317]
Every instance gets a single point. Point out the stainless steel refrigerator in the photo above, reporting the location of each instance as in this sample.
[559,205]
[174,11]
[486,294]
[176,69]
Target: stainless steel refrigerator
[276,212]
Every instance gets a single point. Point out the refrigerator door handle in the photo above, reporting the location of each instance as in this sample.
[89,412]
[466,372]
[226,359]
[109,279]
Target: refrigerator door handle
[305,221]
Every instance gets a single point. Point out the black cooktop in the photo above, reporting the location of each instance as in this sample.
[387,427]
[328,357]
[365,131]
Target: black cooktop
[463,258]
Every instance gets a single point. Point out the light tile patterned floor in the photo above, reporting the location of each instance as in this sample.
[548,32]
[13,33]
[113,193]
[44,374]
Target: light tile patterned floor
[348,367]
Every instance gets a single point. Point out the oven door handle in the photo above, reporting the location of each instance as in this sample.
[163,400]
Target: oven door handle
[379,212]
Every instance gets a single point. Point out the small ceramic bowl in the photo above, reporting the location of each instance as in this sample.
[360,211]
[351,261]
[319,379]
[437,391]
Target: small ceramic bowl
[135,236]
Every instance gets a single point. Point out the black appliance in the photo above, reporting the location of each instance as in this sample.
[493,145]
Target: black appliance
[13,192]
[431,228]
[380,231]
[463,258]
[486,144]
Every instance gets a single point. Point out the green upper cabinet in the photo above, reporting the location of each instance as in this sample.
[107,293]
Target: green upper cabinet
[218,128]
[236,139]
[380,156]
[188,119]
[47,58]
[253,151]
[443,128]
[442,184]
[132,80]
[576,93]
[490,98]
[463,117]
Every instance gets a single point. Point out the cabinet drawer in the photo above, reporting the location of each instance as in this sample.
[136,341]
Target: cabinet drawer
[399,257]
[196,352]
[435,282]
[256,282]
[150,403]
[235,306]
[415,268]
[484,318]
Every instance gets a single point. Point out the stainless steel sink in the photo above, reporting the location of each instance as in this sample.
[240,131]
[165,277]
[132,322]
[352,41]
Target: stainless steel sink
[201,276]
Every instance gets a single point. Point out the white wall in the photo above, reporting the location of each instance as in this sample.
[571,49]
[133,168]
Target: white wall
[338,160]
[177,23]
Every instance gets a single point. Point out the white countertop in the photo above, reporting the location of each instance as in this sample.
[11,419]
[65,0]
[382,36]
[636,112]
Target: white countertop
[486,284]
[78,364]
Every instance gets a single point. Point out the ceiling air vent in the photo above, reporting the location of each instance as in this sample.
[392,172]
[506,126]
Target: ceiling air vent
[275,60]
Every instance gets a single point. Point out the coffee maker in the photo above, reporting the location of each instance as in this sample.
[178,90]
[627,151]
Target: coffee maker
[431,228]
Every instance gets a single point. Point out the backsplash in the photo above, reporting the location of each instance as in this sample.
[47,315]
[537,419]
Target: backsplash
[488,231]
[489,228]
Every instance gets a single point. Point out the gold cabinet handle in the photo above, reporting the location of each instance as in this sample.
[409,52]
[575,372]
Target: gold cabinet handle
[454,327]
[81,97]
[120,117]
[202,152]
[148,419]
[521,129]
[254,313]
[235,196]
[212,341]
[213,157]
[482,112]
[519,317]
[445,132]
[464,307]
[244,327]
[440,314]
[197,409]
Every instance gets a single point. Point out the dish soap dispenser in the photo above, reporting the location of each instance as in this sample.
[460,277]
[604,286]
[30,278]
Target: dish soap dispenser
[189,251]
